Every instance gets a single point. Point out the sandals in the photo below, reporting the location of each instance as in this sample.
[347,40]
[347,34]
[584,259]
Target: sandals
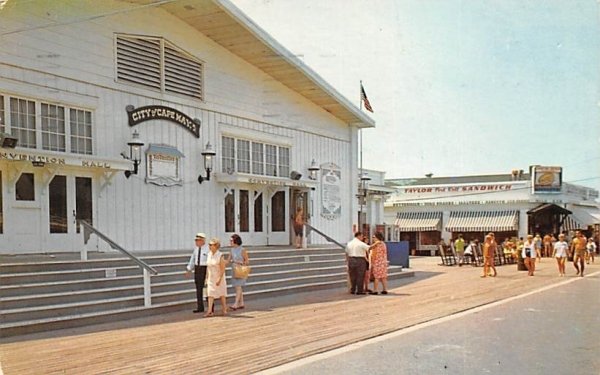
[234,308]
[209,314]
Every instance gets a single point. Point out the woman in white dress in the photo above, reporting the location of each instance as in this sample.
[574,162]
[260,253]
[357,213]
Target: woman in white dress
[215,280]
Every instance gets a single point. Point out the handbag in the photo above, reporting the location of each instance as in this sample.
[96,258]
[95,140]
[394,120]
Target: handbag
[241,271]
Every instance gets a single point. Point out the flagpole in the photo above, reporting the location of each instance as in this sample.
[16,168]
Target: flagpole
[360,177]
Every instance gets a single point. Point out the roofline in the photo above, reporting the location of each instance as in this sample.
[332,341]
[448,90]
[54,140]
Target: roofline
[287,55]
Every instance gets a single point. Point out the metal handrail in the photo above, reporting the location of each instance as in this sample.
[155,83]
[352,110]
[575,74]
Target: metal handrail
[325,236]
[88,229]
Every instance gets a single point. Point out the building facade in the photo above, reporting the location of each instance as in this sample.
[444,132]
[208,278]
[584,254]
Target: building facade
[427,210]
[77,81]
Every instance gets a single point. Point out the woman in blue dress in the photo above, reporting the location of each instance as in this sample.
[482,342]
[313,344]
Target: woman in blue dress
[239,256]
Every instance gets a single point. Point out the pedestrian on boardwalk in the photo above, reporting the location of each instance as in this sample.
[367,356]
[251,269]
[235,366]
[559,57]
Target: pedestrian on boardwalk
[489,252]
[216,282]
[561,249]
[197,264]
[538,246]
[459,246]
[591,250]
[528,253]
[547,241]
[356,258]
[239,256]
[378,263]
[578,249]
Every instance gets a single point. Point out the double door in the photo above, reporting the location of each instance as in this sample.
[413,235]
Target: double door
[40,210]
[258,215]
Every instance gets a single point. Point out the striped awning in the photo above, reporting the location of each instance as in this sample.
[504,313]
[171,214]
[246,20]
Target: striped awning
[418,221]
[483,221]
[570,224]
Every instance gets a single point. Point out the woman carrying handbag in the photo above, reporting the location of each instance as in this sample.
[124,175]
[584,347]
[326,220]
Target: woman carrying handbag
[239,257]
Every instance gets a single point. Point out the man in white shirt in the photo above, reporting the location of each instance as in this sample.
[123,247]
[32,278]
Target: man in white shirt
[197,264]
[356,257]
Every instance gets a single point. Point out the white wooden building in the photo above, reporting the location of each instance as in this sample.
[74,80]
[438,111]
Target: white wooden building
[427,210]
[77,78]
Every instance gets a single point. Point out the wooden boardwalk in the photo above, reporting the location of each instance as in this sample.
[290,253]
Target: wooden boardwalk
[268,332]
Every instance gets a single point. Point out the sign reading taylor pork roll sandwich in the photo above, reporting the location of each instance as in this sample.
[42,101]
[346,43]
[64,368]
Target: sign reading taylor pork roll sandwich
[159,112]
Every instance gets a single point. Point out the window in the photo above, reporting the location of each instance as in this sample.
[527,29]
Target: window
[25,187]
[244,156]
[2,119]
[53,127]
[230,212]
[158,64]
[258,158]
[81,131]
[258,211]
[60,128]
[271,160]
[83,200]
[22,121]
[244,211]
[284,161]
[278,212]
[228,158]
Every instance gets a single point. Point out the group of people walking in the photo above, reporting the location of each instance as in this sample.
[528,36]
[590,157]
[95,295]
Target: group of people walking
[365,262]
[208,265]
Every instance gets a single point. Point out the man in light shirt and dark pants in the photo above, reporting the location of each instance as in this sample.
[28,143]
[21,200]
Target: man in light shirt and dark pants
[356,257]
[197,264]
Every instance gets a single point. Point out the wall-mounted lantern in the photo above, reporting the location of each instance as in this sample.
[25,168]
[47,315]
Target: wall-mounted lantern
[208,155]
[313,170]
[135,152]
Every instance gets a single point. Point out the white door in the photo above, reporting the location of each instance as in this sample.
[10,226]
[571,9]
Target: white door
[23,212]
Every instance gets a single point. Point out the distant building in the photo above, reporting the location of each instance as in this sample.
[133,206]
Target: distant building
[427,210]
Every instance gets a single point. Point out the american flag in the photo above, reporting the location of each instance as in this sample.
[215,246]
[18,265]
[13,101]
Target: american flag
[363,97]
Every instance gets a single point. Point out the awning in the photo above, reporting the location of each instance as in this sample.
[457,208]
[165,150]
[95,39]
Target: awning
[483,221]
[549,207]
[586,215]
[418,221]
[164,150]
[571,224]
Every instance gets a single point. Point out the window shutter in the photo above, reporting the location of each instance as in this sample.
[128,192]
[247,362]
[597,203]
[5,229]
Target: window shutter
[138,61]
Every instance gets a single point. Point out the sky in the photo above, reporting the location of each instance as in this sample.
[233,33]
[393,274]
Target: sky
[458,87]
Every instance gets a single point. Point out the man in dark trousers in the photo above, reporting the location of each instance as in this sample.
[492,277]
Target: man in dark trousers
[356,257]
[197,264]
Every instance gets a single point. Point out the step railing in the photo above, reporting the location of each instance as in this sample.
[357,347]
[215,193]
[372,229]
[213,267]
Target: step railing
[322,234]
[87,229]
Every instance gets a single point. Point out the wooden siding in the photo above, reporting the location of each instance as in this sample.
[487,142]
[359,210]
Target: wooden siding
[59,58]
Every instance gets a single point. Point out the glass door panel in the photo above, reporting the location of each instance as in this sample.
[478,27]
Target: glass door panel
[57,205]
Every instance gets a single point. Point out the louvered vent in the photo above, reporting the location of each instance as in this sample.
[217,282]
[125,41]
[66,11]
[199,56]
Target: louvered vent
[183,75]
[138,61]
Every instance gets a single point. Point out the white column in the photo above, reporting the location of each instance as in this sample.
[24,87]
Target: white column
[445,234]
[523,223]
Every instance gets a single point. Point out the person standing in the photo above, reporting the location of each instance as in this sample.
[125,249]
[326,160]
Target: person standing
[356,258]
[378,262]
[578,248]
[197,264]
[528,253]
[459,246]
[547,240]
[538,246]
[299,226]
[561,249]
[591,250]
[216,282]
[489,250]
[239,256]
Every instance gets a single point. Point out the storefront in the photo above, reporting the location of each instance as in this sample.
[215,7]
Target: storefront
[153,131]
[426,211]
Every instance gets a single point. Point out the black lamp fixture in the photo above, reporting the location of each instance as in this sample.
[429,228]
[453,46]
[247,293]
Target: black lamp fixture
[135,152]
[313,170]
[208,153]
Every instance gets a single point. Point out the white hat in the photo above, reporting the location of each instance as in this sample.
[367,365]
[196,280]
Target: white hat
[200,235]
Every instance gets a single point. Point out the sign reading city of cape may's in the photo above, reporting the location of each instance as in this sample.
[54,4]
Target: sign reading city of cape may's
[331,200]
[159,112]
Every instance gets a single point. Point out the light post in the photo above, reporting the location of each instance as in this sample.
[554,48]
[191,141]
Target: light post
[362,196]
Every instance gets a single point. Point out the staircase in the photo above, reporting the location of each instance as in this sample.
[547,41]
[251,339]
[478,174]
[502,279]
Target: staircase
[40,293]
